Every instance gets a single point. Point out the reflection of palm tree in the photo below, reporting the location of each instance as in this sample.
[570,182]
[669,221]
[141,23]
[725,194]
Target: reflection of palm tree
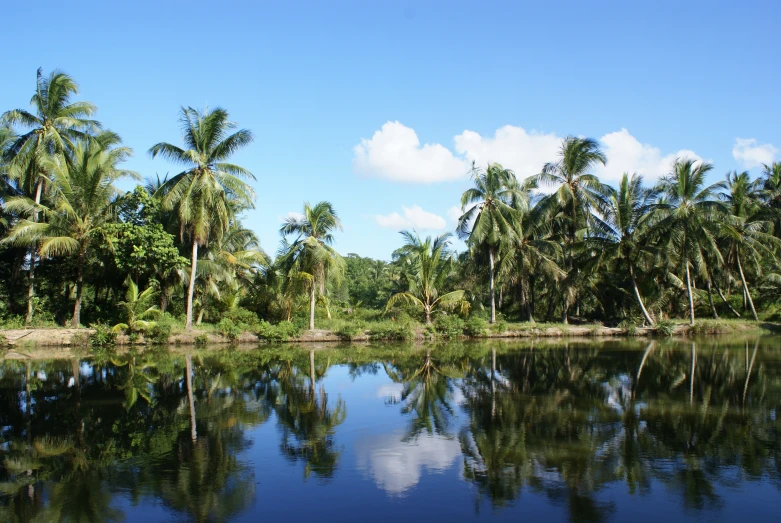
[307,421]
[427,393]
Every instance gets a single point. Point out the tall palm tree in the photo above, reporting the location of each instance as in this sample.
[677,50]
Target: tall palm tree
[745,230]
[83,191]
[53,128]
[427,264]
[687,223]
[488,216]
[209,188]
[578,195]
[771,192]
[311,254]
[619,232]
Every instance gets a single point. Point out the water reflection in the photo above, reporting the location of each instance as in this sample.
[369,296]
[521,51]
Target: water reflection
[584,431]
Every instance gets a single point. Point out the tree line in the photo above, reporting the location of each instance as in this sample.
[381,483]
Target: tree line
[74,246]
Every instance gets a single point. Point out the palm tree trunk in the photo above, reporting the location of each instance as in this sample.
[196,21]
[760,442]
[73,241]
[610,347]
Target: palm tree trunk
[726,302]
[689,291]
[427,311]
[525,293]
[312,305]
[31,285]
[76,320]
[191,287]
[745,287]
[750,367]
[312,372]
[491,276]
[189,364]
[694,367]
[637,295]
[710,300]
[647,352]
[200,316]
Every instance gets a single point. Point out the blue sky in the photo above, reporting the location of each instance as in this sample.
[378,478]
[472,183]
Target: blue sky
[484,81]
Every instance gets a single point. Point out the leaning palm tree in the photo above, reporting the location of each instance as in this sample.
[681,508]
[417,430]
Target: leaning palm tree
[208,190]
[53,128]
[687,222]
[619,232]
[578,196]
[488,216]
[746,229]
[311,254]
[82,203]
[427,264]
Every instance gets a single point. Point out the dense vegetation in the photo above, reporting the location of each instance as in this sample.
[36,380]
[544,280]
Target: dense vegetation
[175,249]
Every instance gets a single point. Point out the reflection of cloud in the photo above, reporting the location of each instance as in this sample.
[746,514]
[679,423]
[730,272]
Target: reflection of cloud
[390,391]
[396,466]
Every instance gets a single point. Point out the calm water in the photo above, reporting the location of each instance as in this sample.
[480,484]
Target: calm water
[449,432]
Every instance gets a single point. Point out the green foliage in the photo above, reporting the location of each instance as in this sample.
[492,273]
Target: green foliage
[201,340]
[282,331]
[665,328]
[350,330]
[475,327]
[142,250]
[389,330]
[228,328]
[103,338]
[449,326]
[244,318]
[499,327]
[161,331]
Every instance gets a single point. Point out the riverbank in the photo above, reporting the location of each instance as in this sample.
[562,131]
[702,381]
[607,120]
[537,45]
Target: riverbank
[63,337]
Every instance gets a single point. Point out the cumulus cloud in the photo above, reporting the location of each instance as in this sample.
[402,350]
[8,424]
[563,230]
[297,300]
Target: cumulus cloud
[750,154]
[625,153]
[396,466]
[525,152]
[394,153]
[414,218]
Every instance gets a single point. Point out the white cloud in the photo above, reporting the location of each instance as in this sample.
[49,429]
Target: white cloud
[512,147]
[750,154]
[625,153]
[394,153]
[414,218]
[292,214]
[454,213]
[396,466]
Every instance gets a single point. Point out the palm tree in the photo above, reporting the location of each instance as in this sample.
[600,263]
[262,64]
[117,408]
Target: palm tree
[208,190]
[488,216]
[427,264]
[311,254]
[54,128]
[746,232]
[83,191]
[687,218]
[579,193]
[138,307]
[619,232]
[771,192]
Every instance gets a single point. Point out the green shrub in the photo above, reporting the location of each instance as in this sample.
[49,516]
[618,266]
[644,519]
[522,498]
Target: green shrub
[282,331]
[349,331]
[449,326]
[475,327]
[665,328]
[103,338]
[389,330]
[201,340]
[12,322]
[229,329]
[161,330]
[499,327]
[244,318]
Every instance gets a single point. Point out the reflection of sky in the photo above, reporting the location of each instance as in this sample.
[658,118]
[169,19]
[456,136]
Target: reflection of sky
[395,465]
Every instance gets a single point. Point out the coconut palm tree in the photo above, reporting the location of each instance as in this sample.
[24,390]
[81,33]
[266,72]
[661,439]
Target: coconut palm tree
[311,254]
[209,189]
[83,191]
[619,232]
[427,264]
[745,229]
[487,221]
[687,222]
[138,307]
[578,195]
[53,128]
[771,192]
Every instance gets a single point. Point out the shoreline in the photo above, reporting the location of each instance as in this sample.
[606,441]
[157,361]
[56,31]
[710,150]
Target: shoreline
[67,338]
